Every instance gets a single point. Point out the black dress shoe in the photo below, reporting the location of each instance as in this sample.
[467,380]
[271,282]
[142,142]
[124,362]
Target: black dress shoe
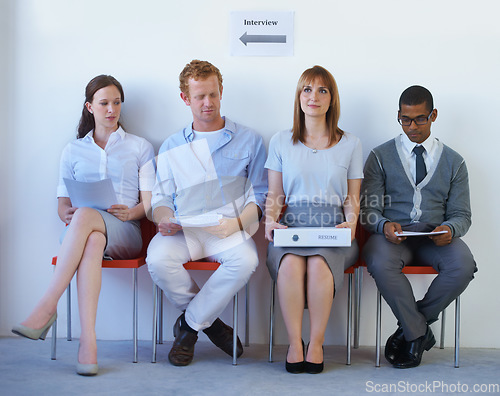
[182,351]
[394,345]
[412,353]
[222,336]
[313,368]
[297,367]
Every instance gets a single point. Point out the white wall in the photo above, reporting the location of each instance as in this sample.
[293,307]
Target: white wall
[6,215]
[374,49]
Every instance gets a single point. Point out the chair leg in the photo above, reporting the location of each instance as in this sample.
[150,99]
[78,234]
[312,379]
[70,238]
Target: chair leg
[247,313]
[54,340]
[155,318]
[271,322]
[443,322]
[135,314]
[358,281]
[235,328]
[68,324]
[457,331]
[378,329]
[349,319]
[160,315]
[68,312]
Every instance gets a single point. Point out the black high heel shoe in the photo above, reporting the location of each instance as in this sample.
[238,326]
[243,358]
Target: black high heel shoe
[295,368]
[313,368]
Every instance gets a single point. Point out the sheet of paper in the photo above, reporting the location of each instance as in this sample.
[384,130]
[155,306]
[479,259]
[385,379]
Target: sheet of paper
[203,220]
[414,233]
[97,195]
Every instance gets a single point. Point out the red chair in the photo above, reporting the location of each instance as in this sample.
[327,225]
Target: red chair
[158,308]
[148,231]
[408,270]
[423,270]
[361,237]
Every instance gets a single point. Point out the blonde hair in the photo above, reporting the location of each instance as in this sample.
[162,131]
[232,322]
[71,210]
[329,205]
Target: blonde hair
[333,113]
[198,70]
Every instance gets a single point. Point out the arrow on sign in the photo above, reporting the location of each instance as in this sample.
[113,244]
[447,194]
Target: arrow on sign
[262,38]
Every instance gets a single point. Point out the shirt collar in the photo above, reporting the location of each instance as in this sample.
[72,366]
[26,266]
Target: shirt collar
[119,132]
[229,129]
[428,144]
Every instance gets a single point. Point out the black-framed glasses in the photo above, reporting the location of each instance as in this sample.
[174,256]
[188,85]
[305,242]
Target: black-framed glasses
[406,121]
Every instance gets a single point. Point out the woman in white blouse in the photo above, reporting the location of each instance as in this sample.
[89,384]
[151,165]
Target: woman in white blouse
[102,150]
[315,169]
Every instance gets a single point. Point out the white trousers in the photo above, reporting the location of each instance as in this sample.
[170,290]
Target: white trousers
[167,254]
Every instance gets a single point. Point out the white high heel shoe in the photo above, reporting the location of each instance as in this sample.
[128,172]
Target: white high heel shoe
[34,334]
[87,369]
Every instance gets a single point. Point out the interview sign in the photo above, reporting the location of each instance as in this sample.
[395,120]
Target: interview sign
[261,33]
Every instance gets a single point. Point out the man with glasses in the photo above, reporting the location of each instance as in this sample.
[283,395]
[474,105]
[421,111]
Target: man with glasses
[414,183]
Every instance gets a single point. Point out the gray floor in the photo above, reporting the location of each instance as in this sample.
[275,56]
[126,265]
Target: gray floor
[26,369]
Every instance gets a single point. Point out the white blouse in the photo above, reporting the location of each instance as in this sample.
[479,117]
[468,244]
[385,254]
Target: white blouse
[126,160]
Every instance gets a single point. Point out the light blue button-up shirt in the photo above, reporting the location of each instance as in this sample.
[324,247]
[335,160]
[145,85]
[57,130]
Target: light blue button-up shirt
[191,179]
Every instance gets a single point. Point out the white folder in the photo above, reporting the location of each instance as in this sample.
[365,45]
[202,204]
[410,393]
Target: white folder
[312,237]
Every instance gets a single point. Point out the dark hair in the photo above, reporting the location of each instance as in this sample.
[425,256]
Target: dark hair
[87,122]
[333,113]
[416,95]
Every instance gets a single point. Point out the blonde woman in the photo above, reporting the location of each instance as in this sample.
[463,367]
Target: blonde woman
[315,169]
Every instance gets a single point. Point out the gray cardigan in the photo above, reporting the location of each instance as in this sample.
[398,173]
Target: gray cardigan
[389,192]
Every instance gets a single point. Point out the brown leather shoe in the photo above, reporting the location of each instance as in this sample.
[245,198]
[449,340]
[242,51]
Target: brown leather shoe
[182,351]
[177,325]
[222,336]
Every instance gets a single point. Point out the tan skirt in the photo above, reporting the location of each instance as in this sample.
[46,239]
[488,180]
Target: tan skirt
[123,239]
